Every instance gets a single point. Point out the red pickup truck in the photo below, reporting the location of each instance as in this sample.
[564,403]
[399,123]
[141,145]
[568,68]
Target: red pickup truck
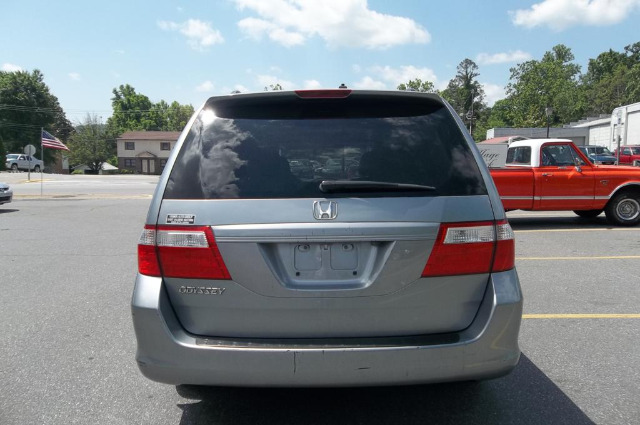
[629,155]
[552,174]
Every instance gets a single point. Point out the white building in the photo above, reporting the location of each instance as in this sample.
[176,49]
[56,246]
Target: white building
[145,152]
[625,122]
[598,130]
[601,131]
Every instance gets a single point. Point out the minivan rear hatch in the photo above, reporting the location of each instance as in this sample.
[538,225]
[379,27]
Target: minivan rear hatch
[315,216]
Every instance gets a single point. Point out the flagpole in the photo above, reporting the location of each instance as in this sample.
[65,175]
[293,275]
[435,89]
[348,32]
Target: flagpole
[42,154]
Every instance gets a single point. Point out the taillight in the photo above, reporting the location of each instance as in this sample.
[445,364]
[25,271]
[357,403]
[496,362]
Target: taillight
[471,248]
[505,256]
[188,252]
[323,94]
[147,256]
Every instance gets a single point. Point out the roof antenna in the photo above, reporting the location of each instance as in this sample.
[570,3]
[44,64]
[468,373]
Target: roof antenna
[343,86]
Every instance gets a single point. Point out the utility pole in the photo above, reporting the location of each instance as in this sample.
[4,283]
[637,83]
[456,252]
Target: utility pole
[548,111]
[470,114]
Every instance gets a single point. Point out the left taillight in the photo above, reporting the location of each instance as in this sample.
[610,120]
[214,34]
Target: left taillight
[188,252]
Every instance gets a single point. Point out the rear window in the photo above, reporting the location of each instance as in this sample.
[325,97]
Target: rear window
[285,149]
[519,155]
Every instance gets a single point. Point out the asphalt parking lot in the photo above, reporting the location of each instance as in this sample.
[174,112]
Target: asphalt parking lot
[68,260]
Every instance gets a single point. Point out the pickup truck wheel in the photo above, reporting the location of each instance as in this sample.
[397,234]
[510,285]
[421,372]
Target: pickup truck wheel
[14,167]
[624,209]
[36,168]
[636,163]
[588,213]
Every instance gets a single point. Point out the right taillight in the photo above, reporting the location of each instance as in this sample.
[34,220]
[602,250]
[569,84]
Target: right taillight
[505,256]
[471,248]
[188,252]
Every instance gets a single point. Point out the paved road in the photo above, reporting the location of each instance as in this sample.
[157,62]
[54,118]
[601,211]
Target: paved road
[67,345]
[79,185]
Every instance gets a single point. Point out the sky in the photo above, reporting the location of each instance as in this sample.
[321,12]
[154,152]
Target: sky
[189,50]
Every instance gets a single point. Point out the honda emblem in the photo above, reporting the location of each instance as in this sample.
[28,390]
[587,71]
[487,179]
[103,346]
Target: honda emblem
[325,210]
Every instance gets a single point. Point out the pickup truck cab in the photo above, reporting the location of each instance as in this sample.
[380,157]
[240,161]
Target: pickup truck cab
[17,161]
[629,155]
[552,174]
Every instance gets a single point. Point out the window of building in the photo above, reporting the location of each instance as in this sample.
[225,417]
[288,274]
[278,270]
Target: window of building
[129,146]
[165,146]
[130,163]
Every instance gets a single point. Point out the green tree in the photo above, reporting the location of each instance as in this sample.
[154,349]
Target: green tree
[177,116]
[134,111]
[419,86]
[611,81]
[91,144]
[26,106]
[466,95]
[551,82]
[273,87]
[131,111]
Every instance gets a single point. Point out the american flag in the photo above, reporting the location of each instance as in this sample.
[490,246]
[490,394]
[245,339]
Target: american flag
[49,141]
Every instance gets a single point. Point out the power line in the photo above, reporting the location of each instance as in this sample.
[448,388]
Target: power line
[20,108]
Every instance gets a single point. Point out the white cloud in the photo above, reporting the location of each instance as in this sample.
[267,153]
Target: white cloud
[402,74]
[492,93]
[562,14]
[241,88]
[312,84]
[119,51]
[268,80]
[368,83]
[341,23]
[9,67]
[206,86]
[357,69]
[74,76]
[200,35]
[496,58]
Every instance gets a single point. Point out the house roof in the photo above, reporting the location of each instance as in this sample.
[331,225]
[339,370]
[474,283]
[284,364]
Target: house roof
[503,139]
[150,135]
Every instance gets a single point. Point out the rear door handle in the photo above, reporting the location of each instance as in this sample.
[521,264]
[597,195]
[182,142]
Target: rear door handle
[547,174]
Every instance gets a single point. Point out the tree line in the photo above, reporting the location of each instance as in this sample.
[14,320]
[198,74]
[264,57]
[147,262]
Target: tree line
[554,81]
[27,105]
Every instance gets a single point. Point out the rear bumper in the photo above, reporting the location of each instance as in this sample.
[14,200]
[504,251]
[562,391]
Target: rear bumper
[488,348]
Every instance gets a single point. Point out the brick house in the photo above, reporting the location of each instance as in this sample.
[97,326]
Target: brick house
[145,152]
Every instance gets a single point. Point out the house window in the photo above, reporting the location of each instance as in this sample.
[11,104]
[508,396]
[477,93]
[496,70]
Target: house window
[130,163]
[129,146]
[165,146]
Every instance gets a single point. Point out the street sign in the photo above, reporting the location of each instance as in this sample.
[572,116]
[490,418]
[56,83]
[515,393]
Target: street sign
[29,150]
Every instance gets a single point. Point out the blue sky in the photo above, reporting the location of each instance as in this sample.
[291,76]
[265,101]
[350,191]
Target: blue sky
[189,50]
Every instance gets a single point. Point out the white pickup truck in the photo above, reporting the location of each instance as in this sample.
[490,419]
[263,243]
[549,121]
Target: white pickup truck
[17,161]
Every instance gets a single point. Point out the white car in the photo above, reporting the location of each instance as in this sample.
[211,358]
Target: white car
[16,161]
[6,194]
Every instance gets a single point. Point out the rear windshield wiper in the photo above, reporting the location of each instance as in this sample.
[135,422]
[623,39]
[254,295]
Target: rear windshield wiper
[332,186]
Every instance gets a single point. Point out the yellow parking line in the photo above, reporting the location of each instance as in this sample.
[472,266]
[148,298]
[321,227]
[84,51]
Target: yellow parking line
[581,316]
[608,257]
[603,229]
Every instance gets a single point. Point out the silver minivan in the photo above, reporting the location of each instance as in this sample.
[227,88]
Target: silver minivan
[326,238]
